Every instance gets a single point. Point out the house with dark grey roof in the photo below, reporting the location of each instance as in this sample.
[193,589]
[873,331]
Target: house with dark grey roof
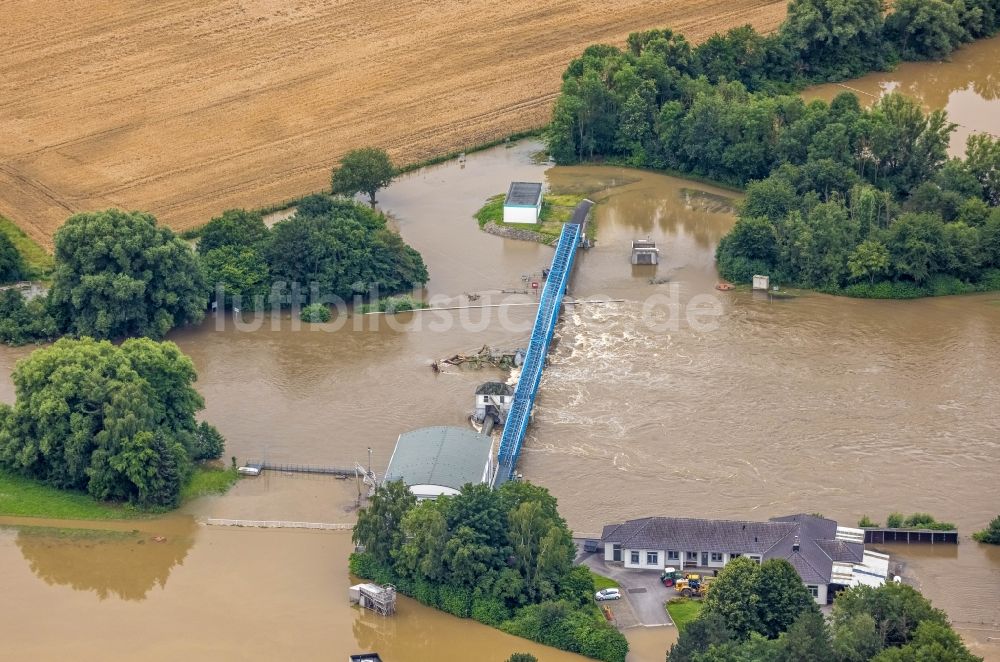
[523,203]
[441,460]
[827,556]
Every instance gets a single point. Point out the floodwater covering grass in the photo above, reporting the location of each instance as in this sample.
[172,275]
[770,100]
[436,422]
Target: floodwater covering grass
[40,263]
[391,305]
[209,480]
[556,211]
[23,497]
[70,533]
[683,610]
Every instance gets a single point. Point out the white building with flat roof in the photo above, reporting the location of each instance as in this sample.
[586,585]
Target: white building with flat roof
[523,203]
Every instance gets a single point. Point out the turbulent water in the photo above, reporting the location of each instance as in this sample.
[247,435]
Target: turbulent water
[678,400]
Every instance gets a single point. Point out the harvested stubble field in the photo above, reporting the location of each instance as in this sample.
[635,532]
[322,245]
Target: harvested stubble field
[187,107]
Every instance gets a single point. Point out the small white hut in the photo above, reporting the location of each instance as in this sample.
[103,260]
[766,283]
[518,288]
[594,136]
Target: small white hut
[523,203]
[495,399]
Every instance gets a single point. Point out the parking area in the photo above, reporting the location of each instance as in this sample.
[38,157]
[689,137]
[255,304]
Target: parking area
[642,591]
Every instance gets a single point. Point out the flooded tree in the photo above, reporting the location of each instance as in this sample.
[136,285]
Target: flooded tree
[12,265]
[120,274]
[364,170]
[114,421]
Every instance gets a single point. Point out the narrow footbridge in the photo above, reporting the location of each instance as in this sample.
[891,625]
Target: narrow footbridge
[538,347]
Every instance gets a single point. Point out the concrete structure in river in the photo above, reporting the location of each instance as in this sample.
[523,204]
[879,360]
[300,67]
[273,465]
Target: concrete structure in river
[644,251]
[493,399]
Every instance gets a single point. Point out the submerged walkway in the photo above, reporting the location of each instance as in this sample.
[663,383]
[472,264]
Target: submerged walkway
[534,360]
[277,524]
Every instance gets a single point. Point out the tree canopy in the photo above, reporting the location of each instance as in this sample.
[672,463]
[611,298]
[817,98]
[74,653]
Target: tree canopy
[826,182]
[236,227]
[503,557]
[891,623]
[115,421]
[364,170]
[118,274]
[12,265]
[344,249]
[991,534]
[23,321]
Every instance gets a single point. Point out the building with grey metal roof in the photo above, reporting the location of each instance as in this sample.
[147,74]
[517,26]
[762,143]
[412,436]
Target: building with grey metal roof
[440,460]
[523,203]
[825,555]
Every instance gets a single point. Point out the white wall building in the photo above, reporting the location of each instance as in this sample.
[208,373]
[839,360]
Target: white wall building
[523,203]
[828,557]
[495,399]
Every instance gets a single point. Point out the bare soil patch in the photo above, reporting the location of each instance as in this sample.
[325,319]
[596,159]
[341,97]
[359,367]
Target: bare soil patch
[188,107]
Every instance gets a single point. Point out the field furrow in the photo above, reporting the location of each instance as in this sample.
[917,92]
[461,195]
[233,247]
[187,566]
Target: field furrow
[186,107]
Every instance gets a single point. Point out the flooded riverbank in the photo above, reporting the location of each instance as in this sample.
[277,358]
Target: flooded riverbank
[211,593]
[681,400]
[967,87]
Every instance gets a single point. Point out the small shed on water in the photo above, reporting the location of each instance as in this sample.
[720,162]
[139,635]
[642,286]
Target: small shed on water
[644,251]
[494,399]
[523,203]
[440,460]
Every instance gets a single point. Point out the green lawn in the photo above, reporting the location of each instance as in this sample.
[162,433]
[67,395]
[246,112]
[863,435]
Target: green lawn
[22,497]
[209,480]
[27,498]
[602,582]
[556,211]
[39,261]
[683,610]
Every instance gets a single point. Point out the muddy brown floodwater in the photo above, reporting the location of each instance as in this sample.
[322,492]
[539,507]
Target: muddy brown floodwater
[681,400]
[967,86]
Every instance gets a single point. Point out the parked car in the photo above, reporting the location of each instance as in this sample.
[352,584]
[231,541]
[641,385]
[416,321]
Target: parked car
[608,594]
[591,546]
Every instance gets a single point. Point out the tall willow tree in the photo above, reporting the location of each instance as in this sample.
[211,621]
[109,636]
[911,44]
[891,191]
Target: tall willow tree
[118,274]
[115,421]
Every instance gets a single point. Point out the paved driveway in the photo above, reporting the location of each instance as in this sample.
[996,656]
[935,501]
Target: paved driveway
[642,589]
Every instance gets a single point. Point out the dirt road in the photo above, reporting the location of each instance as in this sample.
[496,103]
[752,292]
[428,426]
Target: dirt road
[186,107]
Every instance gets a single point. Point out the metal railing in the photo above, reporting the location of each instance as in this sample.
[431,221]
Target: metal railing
[538,347]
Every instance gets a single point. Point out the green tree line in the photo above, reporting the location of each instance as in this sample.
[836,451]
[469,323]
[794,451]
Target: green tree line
[846,198]
[120,274]
[764,612]
[503,557]
[115,421]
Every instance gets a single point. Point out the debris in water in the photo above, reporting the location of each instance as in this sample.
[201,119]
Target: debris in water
[485,356]
[159,539]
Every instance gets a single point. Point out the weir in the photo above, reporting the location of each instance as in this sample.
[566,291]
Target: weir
[538,347]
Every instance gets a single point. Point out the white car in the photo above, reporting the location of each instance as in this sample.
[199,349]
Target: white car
[608,594]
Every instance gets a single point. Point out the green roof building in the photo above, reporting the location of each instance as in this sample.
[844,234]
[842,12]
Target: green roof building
[440,460]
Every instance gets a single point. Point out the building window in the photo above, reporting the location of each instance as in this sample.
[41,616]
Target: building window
[652,558]
[635,558]
[754,557]
[692,556]
[734,555]
[813,589]
[673,556]
[717,556]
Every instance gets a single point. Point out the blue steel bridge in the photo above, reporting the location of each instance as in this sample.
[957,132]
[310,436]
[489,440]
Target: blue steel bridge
[538,347]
